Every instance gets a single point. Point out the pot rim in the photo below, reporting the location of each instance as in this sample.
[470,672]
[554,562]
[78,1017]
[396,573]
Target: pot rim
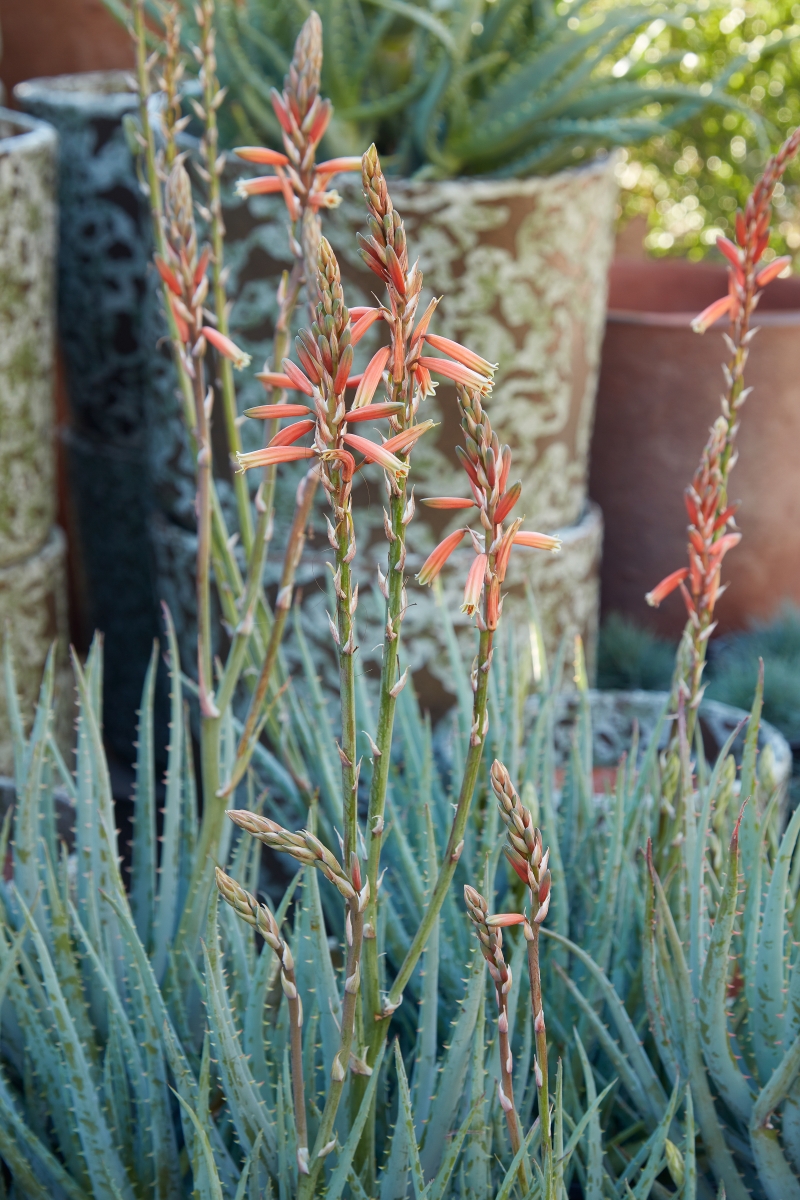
[30,133]
[683,320]
[80,90]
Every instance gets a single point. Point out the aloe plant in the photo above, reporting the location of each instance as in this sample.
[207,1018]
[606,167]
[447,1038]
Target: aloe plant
[452,89]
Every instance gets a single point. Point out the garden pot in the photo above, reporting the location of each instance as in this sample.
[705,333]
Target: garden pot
[658,394]
[32,550]
[33,608]
[51,37]
[108,332]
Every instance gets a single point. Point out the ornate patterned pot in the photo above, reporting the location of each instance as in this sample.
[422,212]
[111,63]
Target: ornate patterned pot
[32,550]
[107,331]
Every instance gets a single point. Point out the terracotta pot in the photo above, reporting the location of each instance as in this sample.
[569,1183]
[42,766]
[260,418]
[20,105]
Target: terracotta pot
[658,394]
[53,37]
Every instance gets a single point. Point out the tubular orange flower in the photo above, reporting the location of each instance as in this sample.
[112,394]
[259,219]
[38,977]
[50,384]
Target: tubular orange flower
[274,379]
[292,433]
[666,587]
[262,155]
[273,454]
[332,166]
[168,275]
[720,548]
[461,354]
[773,270]
[454,371]
[508,501]
[424,321]
[374,412]
[438,557]
[263,185]
[474,585]
[224,345]
[711,314]
[371,378]
[366,318]
[406,439]
[180,321]
[537,541]
[503,920]
[274,412]
[376,454]
[448,502]
[296,378]
[730,250]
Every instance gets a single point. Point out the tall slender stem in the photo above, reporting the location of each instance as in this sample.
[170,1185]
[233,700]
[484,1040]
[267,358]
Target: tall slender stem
[540,1034]
[345,608]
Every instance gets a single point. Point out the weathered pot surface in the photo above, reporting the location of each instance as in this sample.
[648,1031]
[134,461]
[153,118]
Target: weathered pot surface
[658,394]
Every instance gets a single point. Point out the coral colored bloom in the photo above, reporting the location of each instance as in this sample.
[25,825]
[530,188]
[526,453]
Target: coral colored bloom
[224,345]
[503,920]
[183,328]
[424,382]
[296,378]
[262,155]
[711,314]
[461,354]
[366,318]
[320,122]
[263,185]
[406,439]
[720,548]
[332,166]
[438,557]
[454,371]
[474,585]
[168,275]
[376,454]
[424,321]
[274,412]
[373,412]
[507,502]
[775,268]
[729,249]
[537,541]
[666,586]
[371,378]
[274,379]
[448,502]
[292,433]
[273,454]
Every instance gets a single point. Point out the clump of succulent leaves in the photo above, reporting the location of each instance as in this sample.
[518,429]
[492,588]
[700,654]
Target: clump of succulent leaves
[482,980]
[450,89]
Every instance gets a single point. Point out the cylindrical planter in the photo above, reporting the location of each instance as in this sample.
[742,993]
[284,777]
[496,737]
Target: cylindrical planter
[33,608]
[107,334]
[33,605]
[28,218]
[658,394]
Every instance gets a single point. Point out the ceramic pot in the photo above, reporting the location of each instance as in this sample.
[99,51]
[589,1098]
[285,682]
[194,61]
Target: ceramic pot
[107,330]
[658,394]
[32,550]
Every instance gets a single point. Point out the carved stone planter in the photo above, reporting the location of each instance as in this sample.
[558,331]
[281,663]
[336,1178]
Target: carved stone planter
[107,332]
[32,550]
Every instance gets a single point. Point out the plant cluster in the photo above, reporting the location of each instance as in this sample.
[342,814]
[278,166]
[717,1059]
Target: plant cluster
[157,1042]
[447,89]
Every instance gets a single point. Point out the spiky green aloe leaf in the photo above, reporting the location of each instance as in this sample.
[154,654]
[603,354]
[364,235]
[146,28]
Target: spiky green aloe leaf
[144,854]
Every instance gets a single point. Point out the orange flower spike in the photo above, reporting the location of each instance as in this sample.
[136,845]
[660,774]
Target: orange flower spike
[473,589]
[223,345]
[666,587]
[438,557]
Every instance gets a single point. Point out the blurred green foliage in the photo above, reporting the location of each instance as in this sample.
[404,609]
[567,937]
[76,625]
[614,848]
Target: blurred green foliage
[689,183]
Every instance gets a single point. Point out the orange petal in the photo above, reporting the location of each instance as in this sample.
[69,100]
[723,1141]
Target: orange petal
[223,345]
[773,270]
[373,412]
[474,585]
[274,412]
[711,314]
[537,541]
[666,586]
[296,378]
[273,454]
[367,318]
[371,378]
[262,155]
[292,433]
[448,502]
[376,454]
[438,557]
[454,371]
[461,354]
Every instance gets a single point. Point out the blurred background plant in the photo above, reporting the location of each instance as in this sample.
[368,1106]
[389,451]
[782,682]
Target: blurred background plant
[447,89]
[689,183]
